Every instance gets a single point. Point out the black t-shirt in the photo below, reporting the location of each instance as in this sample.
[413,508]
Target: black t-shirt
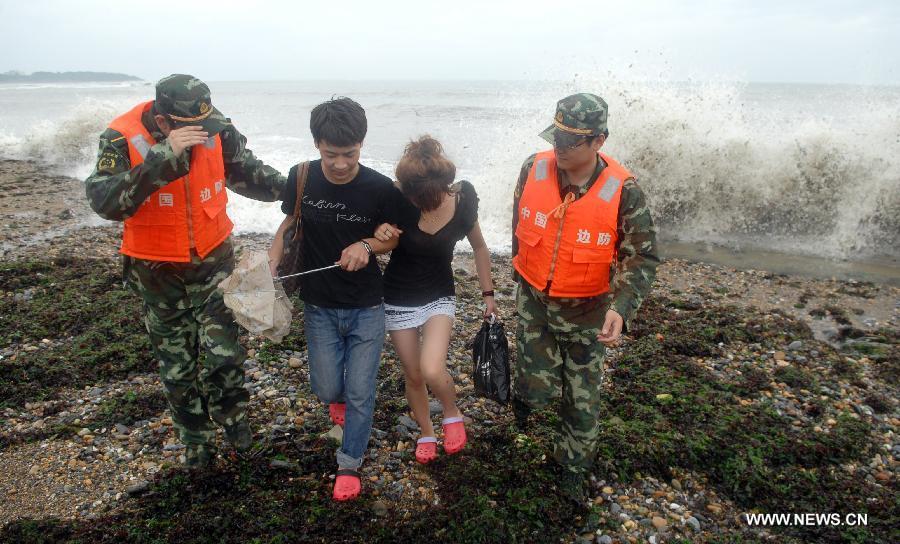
[335,216]
[420,269]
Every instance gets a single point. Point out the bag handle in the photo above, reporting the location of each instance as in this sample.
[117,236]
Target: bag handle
[302,174]
[485,346]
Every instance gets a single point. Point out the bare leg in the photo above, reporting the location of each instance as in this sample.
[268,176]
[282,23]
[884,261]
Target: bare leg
[406,344]
[433,359]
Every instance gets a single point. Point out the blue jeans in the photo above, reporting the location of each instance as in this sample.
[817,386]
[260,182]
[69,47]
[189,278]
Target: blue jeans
[344,353]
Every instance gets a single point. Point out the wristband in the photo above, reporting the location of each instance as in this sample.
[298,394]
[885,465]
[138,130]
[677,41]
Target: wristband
[487,293]
[367,246]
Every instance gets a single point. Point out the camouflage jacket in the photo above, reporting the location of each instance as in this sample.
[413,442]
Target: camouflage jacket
[116,190]
[637,253]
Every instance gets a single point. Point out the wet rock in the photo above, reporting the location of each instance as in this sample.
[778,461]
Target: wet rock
[335,433]
[408,422]
[24,296]
[380,509]
[138,488]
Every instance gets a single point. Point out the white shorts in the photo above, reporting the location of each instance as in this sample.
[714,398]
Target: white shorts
[409,317]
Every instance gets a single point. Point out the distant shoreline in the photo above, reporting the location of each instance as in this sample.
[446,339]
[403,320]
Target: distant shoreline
[65,77]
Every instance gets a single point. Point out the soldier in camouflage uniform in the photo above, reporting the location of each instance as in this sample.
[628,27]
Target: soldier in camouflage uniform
[561,340]
[184,311]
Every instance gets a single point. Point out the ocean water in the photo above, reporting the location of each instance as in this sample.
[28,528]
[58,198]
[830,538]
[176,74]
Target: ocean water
[803,170]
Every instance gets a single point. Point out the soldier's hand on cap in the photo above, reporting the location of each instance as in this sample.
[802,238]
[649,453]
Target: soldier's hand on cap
[354,257]
[185,137]
[612,329]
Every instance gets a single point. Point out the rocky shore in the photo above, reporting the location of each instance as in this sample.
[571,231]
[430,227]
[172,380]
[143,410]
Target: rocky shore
[736,392]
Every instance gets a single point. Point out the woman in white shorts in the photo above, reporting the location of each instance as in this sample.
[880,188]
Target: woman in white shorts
[419,292]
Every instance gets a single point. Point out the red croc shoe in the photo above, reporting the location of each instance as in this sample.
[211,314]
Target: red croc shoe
[454,434]
[426,449]
[337,411]
[346,485]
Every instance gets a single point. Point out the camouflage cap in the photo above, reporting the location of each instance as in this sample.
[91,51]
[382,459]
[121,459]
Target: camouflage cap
[577,116]
[185,99]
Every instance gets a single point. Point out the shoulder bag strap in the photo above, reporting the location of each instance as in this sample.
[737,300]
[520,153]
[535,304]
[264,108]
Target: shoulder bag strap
[302,174]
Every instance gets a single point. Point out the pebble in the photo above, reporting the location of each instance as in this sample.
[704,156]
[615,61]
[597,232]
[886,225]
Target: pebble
[294,362]
[694,523]
[659,522]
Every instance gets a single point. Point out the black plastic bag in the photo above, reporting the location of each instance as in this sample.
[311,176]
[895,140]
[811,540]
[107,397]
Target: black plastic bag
[490,355]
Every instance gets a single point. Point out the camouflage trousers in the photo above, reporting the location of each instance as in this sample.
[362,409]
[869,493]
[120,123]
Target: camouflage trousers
[195,339]
[559,356]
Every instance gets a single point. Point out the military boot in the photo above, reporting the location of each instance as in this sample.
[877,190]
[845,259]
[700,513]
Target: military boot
[240,436]
[572,485]
[199,455]
[521,411]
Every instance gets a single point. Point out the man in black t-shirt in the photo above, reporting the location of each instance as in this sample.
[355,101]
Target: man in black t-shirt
[343,314]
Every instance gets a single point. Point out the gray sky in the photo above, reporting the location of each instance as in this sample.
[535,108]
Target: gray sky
[827,41]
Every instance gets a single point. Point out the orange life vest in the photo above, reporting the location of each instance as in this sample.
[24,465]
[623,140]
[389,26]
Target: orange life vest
[572,243]
[188,212]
